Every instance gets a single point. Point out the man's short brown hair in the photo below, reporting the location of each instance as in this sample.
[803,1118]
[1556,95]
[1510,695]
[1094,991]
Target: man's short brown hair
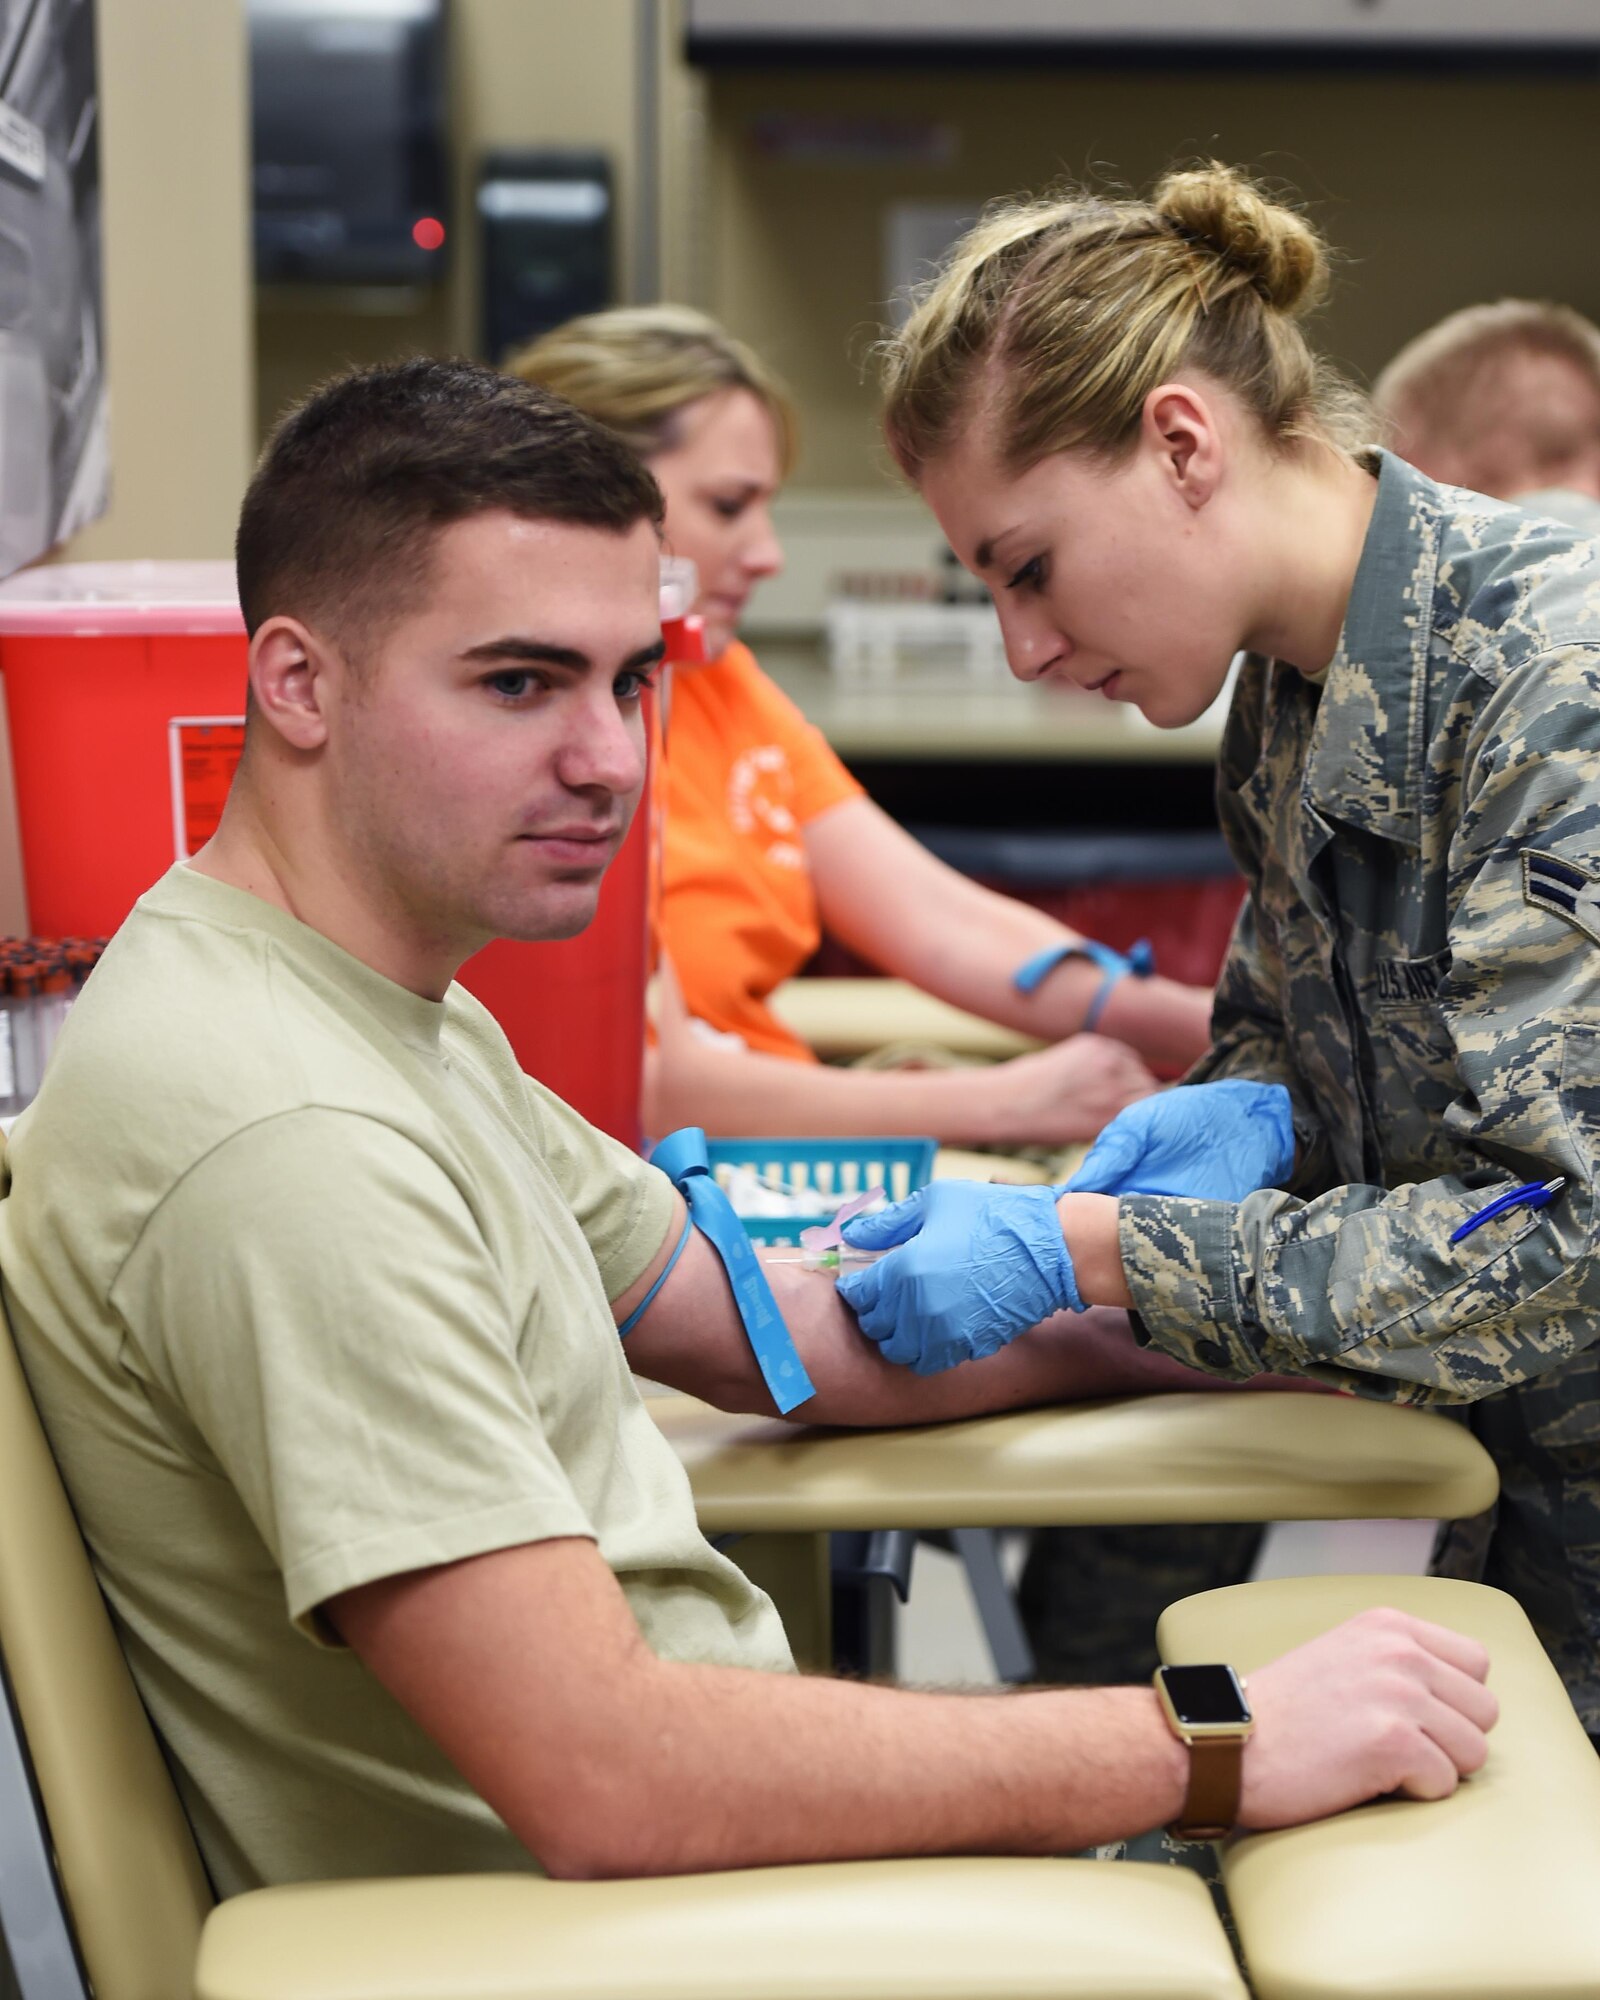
[355,482]
[1504,398]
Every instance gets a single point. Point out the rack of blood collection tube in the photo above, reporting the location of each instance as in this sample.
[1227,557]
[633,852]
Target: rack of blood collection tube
[39,980]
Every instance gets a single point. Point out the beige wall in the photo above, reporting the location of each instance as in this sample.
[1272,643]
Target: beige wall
[525,73]
[1439,191]
[175,172]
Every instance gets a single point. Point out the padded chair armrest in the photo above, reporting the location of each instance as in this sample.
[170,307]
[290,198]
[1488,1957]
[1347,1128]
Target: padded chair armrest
[1180,1457]
[845,1018]
[1488,1893]
[877,1930]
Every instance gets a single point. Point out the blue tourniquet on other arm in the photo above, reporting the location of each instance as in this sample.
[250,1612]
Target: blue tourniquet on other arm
[1139,961]
[681,1156]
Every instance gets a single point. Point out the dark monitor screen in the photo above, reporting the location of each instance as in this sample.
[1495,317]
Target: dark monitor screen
[545,222]
[348,140]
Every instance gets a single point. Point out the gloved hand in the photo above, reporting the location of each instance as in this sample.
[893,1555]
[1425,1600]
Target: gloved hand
[977,1265]
[1216,1141]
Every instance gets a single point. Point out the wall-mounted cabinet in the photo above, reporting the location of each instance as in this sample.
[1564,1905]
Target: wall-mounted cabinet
[747,30]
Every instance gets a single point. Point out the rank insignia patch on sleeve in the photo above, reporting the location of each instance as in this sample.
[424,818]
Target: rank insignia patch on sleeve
[1563,887]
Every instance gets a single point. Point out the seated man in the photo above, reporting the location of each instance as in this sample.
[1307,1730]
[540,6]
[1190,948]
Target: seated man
[1504,399]
[319,1295]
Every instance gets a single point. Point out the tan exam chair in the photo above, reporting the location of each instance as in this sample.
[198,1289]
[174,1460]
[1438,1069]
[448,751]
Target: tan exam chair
[1195,1456]
[125,1906]
[1492,1894]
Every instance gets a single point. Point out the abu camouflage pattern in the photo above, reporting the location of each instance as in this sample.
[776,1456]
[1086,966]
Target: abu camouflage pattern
[1419,964]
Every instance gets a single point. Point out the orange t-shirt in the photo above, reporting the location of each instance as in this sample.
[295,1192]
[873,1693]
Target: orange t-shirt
[745,772]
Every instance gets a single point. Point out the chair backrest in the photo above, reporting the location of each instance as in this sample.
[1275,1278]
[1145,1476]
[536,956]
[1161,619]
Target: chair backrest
[134,1884]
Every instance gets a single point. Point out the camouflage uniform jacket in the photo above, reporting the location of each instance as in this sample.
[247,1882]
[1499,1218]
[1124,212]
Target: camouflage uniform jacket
[1418,962]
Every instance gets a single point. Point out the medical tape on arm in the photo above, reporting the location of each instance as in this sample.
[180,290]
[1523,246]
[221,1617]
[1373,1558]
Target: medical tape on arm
[681,1156]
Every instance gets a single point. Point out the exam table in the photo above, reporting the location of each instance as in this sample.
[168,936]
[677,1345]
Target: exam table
[102,1891]
[845,1018]
[1487,1895]
[1189,1456]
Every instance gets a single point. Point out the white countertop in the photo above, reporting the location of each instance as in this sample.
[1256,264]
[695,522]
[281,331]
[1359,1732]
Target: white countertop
[940,715]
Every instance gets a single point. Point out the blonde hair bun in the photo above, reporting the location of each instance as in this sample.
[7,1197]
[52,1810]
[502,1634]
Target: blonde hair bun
[1053,321]
[1278,250]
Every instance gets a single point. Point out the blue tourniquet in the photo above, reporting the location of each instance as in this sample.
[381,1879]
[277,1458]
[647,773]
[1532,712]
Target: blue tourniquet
[681,1156]
[645,1303]
[1140,961]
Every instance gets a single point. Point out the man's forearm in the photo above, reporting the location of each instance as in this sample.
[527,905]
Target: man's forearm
[1089,1227]
[820,1770]
[606,1760]
[692,1339]
[1068,1358]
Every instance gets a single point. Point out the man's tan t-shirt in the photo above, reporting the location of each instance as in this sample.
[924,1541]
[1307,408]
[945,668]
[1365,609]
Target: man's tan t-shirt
[311,1283]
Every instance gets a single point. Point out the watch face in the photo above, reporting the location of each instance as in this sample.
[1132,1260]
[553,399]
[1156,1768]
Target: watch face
[1203,1696]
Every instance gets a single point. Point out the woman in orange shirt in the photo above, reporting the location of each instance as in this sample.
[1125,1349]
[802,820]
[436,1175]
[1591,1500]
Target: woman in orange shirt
[770,841]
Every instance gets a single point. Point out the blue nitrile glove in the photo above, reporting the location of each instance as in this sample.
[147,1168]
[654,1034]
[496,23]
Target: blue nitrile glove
[979,1265]
[1215,1141]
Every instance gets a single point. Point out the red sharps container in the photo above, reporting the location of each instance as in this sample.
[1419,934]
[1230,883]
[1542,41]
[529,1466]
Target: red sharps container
[124,692]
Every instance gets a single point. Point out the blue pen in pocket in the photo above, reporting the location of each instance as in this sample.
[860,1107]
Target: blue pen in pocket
[1531,1194]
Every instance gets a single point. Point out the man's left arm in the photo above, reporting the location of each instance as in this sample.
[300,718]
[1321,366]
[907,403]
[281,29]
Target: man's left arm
[691,1338]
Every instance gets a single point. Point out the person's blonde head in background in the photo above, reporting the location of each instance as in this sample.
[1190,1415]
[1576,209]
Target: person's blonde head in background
[1055,319]
[639,368]
[714,422]
[1501,398]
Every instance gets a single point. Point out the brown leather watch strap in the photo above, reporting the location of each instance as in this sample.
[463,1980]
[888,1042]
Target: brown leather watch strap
[1211,1805]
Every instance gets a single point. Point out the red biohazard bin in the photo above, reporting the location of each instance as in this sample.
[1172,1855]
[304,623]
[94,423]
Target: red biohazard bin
[124,687]
[124,690]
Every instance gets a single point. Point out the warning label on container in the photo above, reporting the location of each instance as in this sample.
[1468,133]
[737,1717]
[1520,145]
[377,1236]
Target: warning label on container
[205,751]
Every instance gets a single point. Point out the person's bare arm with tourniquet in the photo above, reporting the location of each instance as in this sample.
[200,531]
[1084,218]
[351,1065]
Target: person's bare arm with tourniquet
[691,1338]
[528,1669]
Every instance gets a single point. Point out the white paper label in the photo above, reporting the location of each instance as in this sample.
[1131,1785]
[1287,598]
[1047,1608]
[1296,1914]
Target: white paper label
[21,145]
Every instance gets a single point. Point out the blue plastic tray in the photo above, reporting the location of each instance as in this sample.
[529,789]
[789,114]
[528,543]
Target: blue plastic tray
[832,1166]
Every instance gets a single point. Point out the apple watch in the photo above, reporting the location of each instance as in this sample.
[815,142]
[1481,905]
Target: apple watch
[1206,1709]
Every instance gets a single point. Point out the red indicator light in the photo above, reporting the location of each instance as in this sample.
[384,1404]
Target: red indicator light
[428,234]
